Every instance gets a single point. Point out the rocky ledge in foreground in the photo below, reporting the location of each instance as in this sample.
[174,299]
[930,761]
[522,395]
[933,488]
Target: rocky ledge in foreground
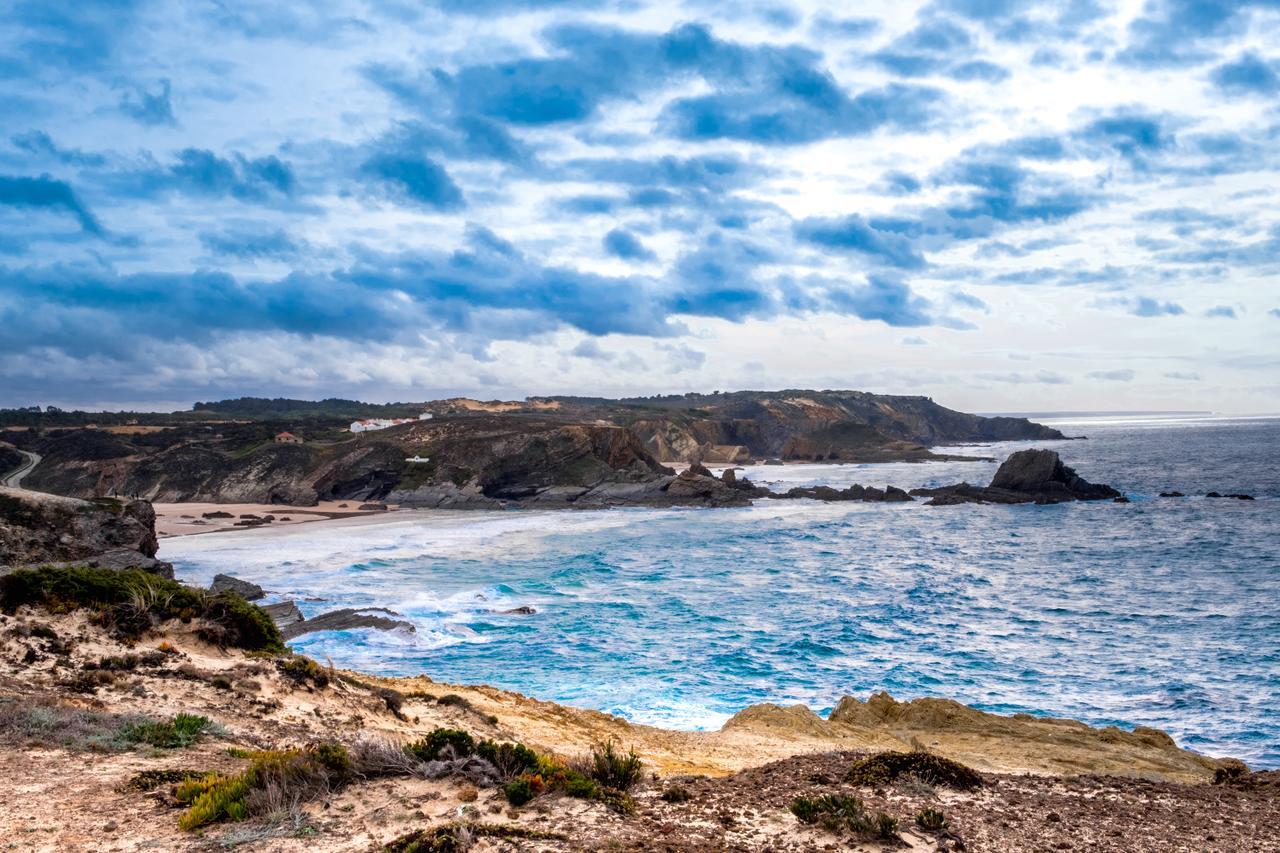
[37,529]
[110,729]
[1028,476]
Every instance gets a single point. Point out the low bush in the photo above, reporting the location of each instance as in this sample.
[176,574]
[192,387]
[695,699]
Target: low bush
[432,747]
[843,814]
[130,603]
[885,767]
[181,731]
[614,769]
[509,759]
[301,669]
[931,819]
[273,782]
[51,724]
[521,790]
[676,794]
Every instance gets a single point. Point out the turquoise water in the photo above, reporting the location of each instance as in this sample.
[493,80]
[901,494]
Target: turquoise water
[1160,612]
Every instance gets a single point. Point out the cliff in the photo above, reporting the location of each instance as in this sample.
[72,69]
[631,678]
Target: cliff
[847,426]
[558,452]
[37,528]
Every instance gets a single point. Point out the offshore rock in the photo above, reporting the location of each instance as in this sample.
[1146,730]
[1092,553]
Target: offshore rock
[1028,476]
[346,619]
[227,583]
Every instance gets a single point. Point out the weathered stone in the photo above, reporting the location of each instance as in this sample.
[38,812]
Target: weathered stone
[246,590]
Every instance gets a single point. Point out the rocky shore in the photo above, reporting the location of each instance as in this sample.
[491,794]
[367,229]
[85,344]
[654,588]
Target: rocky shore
[101,723]
[139,713]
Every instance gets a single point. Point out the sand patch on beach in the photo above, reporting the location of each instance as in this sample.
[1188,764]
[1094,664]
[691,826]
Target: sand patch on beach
[182,519]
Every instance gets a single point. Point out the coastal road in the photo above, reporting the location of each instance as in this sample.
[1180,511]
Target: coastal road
[14,478]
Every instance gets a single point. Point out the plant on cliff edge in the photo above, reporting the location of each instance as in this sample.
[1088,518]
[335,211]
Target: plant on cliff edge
[132,602]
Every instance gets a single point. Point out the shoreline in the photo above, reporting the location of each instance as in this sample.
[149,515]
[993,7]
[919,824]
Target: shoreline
[187,518]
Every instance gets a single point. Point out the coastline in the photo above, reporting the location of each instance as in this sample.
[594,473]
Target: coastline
[1045,783]
[187,519]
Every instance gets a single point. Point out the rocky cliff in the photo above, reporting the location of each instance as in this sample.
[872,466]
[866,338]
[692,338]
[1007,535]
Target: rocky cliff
[848,426]
[37,528]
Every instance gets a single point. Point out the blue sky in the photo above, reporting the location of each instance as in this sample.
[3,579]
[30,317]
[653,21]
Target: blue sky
[1005,206]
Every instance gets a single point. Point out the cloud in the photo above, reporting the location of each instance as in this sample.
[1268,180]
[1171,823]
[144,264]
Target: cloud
[1225,311]
[883,298]
[414,180]
[937,46]
[854,234]
[914,341]
[149,108]
[1173,32]
[48,193]
[1121,375]
[625,245]
[1145,306]
[251,243]
[760,93]
[589,349]
[1274,312]
[1183,375]
[1249,74]
[1040,377]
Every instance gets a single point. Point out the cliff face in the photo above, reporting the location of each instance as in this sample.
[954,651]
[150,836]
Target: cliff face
[801,425]
[473,460]
[37,528]
[569,450]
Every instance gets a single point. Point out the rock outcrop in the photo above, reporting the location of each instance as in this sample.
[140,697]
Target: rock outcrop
[346,619]
[1028,476]
[227,583]
[36,528]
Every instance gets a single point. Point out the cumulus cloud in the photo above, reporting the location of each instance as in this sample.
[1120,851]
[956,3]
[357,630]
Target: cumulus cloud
[560,175]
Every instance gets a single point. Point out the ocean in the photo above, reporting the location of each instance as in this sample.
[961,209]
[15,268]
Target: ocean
[1162,612]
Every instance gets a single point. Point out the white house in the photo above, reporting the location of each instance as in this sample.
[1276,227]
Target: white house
[371,424]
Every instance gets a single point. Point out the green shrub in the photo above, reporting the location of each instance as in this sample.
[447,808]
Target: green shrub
[301,669]
[429,747]
[133,602]
[931,819]
[509,759]
[885,767]
[182,731]
[613,769]
[519,791]
[274,781]
[676,794]
[844,814]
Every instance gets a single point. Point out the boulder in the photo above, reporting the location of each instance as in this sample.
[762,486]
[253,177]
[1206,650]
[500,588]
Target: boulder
[285,613]
[227,583]
[1042,474]
[217,514]
[345,619]
[1028,476]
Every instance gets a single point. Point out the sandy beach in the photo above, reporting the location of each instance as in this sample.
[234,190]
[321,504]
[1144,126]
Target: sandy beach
[185,519]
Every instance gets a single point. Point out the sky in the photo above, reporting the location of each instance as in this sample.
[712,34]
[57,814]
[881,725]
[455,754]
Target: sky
[1005,206]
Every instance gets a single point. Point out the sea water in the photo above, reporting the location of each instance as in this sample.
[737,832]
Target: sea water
[1162,612]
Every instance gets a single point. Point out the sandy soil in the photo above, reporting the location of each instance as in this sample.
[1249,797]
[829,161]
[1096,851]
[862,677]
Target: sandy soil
[181,519]
[1089,789]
